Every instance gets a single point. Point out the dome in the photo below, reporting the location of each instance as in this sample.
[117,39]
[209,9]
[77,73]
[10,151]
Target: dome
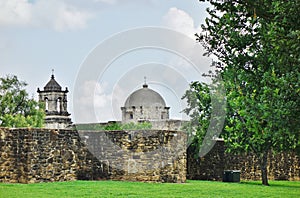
[52,85]
[145,97]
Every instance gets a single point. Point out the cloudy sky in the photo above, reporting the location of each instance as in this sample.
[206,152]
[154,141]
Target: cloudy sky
[102,49]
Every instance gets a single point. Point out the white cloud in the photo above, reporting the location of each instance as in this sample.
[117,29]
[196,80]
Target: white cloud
[180,21]
[106,1]
[98,102]
[93,99]
[15,12]
[54,14]
[125,1]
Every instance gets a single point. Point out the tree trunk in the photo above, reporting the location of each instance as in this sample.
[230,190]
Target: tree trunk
[264,169]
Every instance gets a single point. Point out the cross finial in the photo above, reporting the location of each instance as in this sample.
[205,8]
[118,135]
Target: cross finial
[52,76]
[145,82]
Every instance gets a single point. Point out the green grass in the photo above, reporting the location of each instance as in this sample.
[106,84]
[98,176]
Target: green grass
[137,189]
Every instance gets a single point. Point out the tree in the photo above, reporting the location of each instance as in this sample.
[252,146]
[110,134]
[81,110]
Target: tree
[257,45]
[206,106]
[199,109]
[16,108]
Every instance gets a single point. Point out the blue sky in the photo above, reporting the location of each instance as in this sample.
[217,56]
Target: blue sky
[40,35]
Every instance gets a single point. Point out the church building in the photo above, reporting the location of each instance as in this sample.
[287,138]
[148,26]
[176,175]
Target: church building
[144,104]
[147,105]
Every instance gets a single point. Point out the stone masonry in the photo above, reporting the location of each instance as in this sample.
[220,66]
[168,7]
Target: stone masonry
[281,166]
[43,155]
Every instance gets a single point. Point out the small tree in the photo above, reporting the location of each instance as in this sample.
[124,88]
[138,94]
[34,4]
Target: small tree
[16,108]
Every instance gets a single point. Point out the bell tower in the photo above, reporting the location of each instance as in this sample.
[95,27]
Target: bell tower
[55,100]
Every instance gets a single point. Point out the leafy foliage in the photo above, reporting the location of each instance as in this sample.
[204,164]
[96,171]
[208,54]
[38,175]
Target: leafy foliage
[138,126]
[16,108]
[115,126]
[206,106]
[199,109]
[257,44]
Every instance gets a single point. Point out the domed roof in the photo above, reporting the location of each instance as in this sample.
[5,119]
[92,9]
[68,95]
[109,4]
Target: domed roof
[145,97]
[52,85]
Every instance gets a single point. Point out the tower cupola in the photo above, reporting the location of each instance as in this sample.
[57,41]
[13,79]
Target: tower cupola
[55,100]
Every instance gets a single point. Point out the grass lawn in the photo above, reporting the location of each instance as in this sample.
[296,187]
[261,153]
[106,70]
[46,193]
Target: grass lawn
[136,189]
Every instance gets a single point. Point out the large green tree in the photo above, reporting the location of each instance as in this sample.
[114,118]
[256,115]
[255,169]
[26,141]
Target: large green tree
[257,45]
[16,108]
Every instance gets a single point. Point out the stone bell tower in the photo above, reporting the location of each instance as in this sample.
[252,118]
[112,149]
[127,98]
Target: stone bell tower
[55,100]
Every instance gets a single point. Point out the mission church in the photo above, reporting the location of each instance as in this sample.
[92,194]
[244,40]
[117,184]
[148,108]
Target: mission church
[143,105]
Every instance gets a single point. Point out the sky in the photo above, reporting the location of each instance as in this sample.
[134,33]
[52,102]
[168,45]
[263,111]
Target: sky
[102,50]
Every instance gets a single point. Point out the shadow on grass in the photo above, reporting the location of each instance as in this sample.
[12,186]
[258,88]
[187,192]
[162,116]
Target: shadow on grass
[281,184]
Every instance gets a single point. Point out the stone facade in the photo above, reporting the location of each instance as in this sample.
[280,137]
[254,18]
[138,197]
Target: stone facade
[42,155]
[281,166]
[142,113]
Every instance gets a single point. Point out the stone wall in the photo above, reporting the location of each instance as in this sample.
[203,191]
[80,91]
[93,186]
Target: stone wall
[149,155]
[41,155]
[167,124]
[37,155]
[281,166]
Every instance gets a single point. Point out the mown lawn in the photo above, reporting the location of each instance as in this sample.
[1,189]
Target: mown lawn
[137,189]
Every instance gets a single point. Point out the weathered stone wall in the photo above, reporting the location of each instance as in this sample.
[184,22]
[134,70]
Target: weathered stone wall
[209,167]
[41,155]
[36,155]
[167,124]
[281,166]
[149,155]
